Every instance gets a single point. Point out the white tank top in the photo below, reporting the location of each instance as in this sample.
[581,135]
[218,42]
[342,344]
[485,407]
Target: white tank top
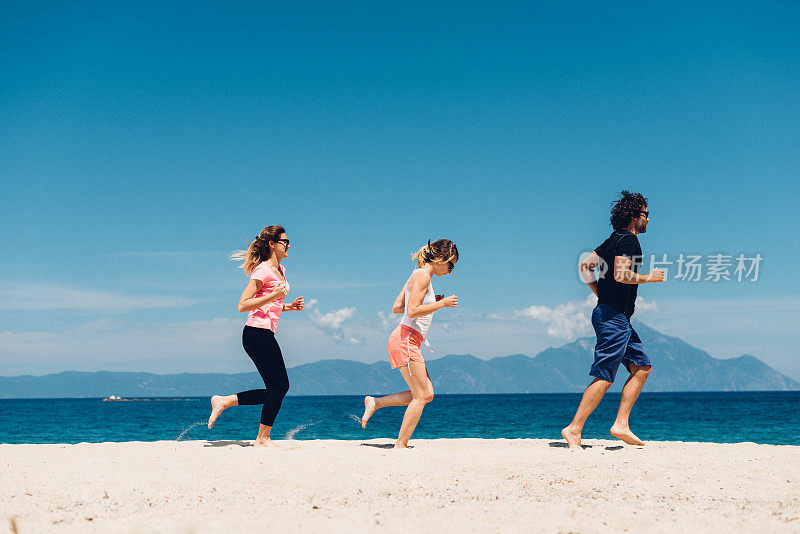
[420,324]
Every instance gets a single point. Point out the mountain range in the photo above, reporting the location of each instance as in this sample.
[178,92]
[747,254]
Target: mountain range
[677,366]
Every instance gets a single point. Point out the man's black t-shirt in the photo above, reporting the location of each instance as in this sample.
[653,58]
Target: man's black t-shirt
[609,291]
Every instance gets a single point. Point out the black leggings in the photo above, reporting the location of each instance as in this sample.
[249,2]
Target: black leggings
[262,347]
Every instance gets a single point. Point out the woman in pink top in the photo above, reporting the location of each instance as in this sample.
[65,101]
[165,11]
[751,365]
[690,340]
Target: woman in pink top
[264,299]
[416,302]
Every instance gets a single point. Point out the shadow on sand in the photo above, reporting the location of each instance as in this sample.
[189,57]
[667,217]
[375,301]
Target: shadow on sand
[225,443]
[563,445]
[382,445]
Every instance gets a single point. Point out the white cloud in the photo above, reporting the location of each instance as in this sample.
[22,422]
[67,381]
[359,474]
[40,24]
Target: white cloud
[331,322]
[572,319]
[565,321]
[385,322]
[645,306]
[37,296]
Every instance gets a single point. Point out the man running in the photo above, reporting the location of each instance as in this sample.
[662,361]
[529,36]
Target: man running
[619,259]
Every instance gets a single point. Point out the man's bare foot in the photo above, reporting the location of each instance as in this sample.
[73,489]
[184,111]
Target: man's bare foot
[401,446]
[369,409]
[624,433]
[573,438]
[218,405]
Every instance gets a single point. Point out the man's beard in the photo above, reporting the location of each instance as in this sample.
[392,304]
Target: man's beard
[641,227]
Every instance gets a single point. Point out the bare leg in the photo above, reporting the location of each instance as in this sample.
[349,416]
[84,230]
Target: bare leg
[422,393]
[591,398]
[219,404]
[263,439]
[630,392]
[371,404]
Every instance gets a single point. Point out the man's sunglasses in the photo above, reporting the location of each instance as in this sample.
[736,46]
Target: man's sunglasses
[284,241]
[450,266]
[645,213]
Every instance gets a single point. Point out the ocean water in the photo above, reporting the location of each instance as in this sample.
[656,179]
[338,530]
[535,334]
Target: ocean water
[761,417]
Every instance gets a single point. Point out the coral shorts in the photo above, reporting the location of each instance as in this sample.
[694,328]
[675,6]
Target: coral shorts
[404,344]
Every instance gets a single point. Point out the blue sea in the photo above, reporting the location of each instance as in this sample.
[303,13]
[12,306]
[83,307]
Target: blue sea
[760,417]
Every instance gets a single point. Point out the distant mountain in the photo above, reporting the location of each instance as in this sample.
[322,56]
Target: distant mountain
[677,366]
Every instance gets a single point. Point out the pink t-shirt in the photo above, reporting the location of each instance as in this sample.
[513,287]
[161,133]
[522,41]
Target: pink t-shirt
[267,315]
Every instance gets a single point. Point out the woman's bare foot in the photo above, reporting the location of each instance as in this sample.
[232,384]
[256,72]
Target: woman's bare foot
[624,433]
[218,405]
[266,443]
[573,438]
[369,409]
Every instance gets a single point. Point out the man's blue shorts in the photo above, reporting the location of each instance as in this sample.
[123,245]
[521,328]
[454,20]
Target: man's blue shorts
[617,342]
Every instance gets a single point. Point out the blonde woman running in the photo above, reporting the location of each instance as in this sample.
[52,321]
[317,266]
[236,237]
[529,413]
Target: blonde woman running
[416,302]
[264,299]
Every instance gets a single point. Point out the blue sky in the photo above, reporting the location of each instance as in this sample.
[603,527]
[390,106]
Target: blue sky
[144,143]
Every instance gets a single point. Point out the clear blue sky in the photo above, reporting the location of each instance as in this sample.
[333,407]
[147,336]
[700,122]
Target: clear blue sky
[142,143]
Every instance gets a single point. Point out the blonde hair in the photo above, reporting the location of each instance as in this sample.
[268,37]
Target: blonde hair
[441,250]
[258,250]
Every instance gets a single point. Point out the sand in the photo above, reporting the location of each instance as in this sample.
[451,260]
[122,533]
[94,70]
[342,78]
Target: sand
[445,485]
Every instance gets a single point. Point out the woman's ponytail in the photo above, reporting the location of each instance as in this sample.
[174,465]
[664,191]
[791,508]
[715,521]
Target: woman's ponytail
[258,250]
[442,250]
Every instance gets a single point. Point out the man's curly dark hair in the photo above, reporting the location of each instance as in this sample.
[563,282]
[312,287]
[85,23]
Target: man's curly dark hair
[626,208]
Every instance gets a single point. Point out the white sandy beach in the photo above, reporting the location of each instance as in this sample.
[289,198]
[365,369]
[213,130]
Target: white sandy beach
[438,486]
